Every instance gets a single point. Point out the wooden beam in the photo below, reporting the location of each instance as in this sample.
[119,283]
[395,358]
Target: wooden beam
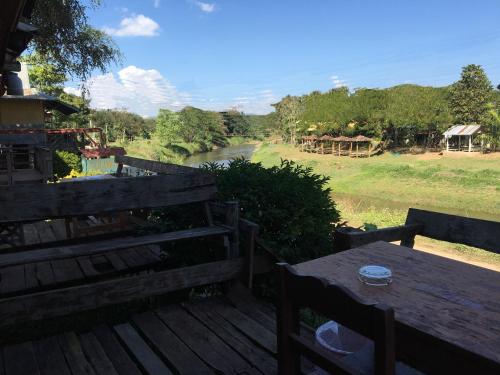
[345,240]
[158,167]
[483,234]
[59,302]
[81,198]
[98,247]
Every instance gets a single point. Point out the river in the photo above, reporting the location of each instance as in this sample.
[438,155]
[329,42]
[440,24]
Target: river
[221,155]
[224,155]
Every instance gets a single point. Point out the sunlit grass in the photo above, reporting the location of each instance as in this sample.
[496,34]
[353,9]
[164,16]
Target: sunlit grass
[471,184]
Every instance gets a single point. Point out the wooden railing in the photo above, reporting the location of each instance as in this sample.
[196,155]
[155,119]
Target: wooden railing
[25,157]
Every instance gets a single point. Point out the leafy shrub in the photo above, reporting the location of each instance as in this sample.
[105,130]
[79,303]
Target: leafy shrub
[65,162]
[291,204]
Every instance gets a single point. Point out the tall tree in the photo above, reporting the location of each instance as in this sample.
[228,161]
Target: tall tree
[289,110]
[169,126]
[67,40]
[469,97]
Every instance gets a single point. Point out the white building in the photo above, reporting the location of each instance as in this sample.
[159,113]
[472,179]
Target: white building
[462,138]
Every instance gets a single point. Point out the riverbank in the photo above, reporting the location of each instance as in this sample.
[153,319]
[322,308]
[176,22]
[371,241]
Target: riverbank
[180,153]
[377,192]
[466,184]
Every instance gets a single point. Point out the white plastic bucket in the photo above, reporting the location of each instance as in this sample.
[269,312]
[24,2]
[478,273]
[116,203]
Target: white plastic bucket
[339,339]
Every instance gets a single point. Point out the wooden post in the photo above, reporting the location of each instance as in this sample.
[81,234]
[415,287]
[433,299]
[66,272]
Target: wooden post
[339,147]
[350,149]
[447,144]
[232,221]
[249,233]
[10,169]
[470,143]
[288,322]
[357,149]
[459,143]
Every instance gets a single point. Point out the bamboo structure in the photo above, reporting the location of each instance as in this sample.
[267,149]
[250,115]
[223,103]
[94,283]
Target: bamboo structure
[335,145]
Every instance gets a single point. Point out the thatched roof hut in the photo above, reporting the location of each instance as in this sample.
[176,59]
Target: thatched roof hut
[342,139]
[361,138]
[326,137]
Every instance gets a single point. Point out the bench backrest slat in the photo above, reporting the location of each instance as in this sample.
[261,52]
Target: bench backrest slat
[157,166]
[479,233]
[43,201]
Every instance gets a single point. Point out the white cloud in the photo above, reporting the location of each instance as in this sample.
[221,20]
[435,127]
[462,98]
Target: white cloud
[156,3]
[135,25]
[136,90]
[73,91]
[258,104]
[337,82]
[205,7]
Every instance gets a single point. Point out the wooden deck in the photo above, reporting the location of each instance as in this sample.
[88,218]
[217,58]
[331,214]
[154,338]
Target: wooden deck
[228,335]
[44,275]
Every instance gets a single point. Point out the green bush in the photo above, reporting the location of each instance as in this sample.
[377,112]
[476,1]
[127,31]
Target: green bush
[291,204]
[65,162]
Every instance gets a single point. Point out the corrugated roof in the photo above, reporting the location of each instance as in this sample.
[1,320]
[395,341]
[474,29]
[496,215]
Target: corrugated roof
[462,130]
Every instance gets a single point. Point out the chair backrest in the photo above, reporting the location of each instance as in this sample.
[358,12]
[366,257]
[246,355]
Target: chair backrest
[479,233]
[29,202]
[375,322]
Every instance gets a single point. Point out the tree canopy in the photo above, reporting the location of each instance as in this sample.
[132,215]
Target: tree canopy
[191,125]
[469,97]
[67,40]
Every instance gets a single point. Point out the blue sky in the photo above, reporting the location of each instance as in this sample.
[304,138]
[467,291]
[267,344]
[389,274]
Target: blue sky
[217,54]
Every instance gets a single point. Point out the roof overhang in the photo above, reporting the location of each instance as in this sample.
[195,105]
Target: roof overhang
[462,130]
[48,102]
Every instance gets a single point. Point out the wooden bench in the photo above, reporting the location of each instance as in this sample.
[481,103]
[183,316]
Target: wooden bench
[479,233]
[28,203]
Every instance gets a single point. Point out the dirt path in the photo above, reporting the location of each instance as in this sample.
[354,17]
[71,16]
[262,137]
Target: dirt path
[437,249]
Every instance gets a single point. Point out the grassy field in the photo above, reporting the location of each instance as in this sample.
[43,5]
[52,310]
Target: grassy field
[377,192]
[466,184]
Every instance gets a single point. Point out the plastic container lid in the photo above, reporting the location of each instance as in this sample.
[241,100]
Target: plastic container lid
[375,275]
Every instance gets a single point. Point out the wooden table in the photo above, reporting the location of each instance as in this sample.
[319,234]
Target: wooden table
[447,312]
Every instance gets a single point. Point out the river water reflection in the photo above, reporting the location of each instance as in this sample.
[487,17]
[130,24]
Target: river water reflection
[221,155]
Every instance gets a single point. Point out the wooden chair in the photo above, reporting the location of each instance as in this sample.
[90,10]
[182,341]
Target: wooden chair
[335,302]
[483,234]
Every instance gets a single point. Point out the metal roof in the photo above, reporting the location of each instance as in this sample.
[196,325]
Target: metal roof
[461,130]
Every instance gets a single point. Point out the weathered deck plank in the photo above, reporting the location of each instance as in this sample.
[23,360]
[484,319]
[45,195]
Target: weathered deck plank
[20,359]
[215,352]
[169,345]
[75,357]
[237,340]
[96,354]
[189,339]
[115,352]
[50,357]
[143,354]
[251,328]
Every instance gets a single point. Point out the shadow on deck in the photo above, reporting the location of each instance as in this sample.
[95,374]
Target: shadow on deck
[230,335]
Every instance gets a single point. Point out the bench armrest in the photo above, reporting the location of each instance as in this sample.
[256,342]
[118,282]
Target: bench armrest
[345,240]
